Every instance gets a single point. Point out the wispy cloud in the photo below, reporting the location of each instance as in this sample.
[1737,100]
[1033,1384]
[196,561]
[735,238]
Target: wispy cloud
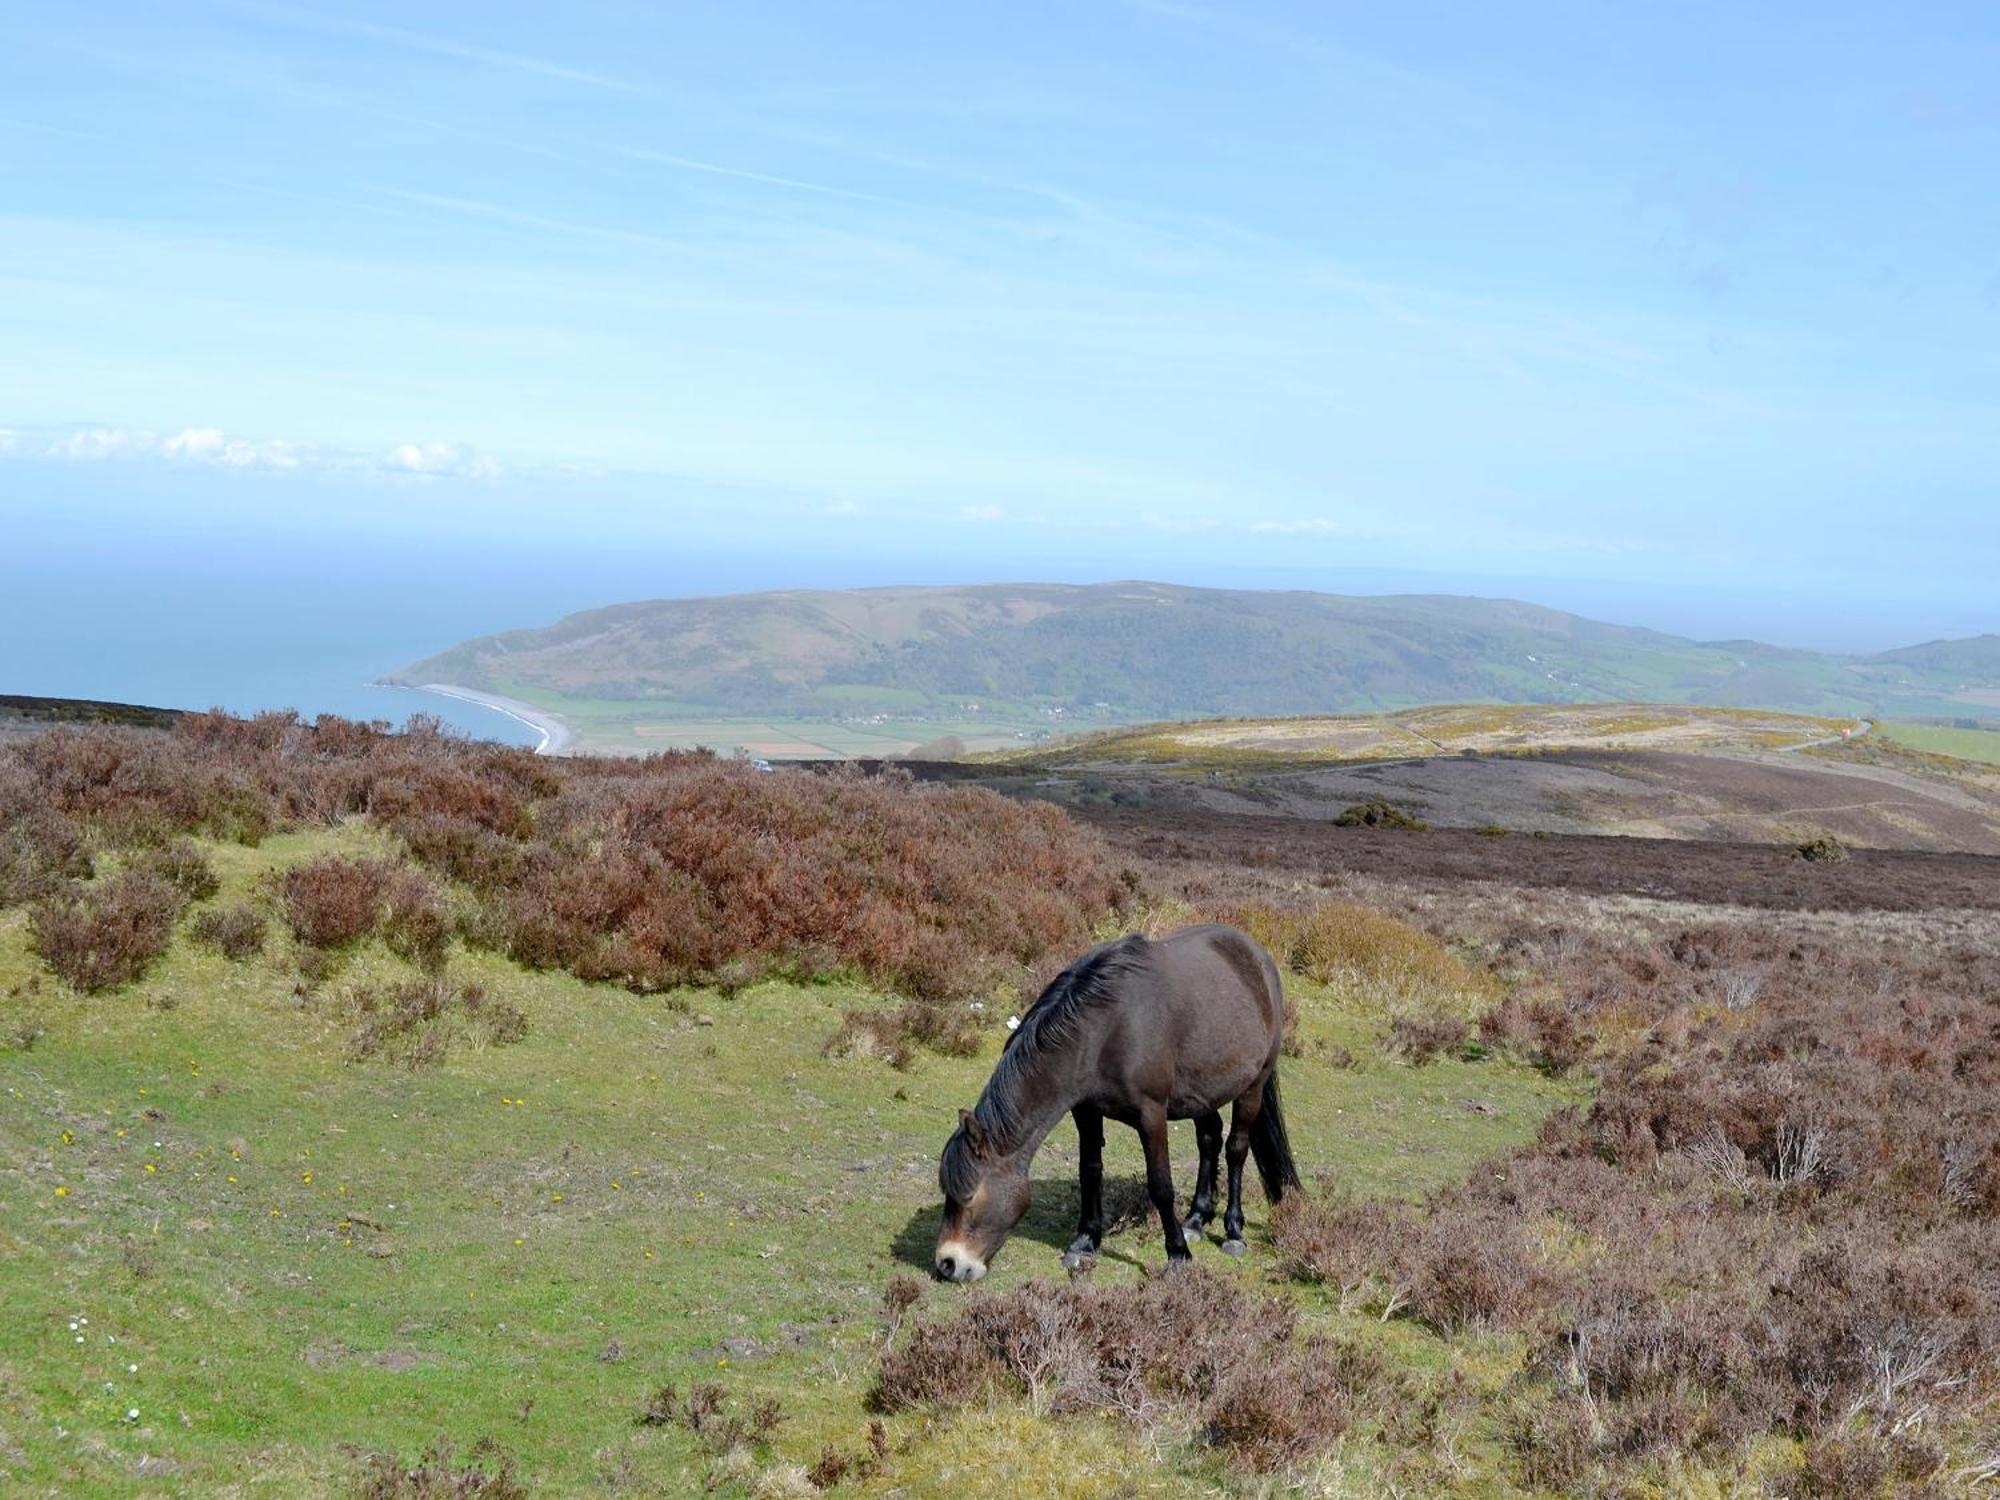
[213,448]
[436,46]
[981,513]
[717,169]
[478,208]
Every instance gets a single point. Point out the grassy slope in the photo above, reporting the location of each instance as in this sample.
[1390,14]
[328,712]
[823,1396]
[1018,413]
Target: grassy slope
[1981,745]
[1443,729]
[307,1253]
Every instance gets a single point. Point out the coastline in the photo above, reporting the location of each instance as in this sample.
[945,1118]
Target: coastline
[555,734]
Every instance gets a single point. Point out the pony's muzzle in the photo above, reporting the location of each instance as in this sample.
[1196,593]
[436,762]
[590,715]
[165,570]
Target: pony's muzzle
[955,1263]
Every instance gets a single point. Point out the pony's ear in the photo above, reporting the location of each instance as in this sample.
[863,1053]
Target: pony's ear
[975,1133]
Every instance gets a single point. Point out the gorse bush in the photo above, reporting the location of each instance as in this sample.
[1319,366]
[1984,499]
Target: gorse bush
[106,934]
[1387,960]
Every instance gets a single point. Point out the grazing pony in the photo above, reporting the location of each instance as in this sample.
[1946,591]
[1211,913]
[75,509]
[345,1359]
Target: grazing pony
[1141,1032]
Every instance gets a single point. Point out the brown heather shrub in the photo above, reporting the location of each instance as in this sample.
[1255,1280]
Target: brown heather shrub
[182,866]
[1188,1346]
[108,933]
[899,1034]
[40,849]
[651,873]
[415,1023]
[233,931]
[437,1475]
[330,902]
[1772,1220]
[416,925]
[1420,1039]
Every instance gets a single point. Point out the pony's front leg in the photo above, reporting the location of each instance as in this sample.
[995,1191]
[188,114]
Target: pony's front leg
[1160,1177]
[1090,1186]
[1208,1134]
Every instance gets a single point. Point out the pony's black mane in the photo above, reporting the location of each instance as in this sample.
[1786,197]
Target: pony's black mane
[1049,1025]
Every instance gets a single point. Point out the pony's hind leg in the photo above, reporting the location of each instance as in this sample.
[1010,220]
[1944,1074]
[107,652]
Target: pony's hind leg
[1241,1118]
[1208,1132]
[1160,1177]
[1090,1186]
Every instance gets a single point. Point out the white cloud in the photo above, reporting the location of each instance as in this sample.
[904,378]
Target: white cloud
[211,446]
[981,513]
[439,459]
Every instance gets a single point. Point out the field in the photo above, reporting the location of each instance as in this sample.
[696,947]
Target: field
[1982,745]
[390,1117]
[620,727]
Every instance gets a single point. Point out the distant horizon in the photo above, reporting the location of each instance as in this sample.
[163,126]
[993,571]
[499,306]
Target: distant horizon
[1687,324]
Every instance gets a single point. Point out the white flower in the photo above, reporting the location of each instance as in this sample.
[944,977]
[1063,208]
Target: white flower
[979,1005]
[1013,1023]
[132,1369]
[132,1415]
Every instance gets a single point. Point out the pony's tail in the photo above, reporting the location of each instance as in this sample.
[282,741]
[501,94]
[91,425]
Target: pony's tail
[1272,1147]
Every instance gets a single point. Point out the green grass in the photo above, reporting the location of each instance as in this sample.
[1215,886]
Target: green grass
[306,1257]
[1982,745]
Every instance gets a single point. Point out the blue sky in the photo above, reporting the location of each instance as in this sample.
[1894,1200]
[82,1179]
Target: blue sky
[1694,308]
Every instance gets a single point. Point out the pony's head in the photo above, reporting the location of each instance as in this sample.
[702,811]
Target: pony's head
[985,1195]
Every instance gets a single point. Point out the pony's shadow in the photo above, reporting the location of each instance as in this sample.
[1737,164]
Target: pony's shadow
[1051,1221]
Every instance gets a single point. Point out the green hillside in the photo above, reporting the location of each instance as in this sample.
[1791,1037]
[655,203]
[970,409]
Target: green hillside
[1149,650]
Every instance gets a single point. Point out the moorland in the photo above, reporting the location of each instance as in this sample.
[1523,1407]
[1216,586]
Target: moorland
[389,1115]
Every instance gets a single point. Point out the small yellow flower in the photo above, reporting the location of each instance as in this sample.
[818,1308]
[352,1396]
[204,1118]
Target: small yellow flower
[232,1177]
[343,1190]
[277,1213]
[152,1167]
[68,1137]
[649,1255]
[62,1192]
[519,1241]
[305,1177]
[558,1198]
[121,1135]
[616,1188]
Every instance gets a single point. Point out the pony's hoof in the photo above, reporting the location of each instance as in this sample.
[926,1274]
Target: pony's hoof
[1194,1227]
[1234,1247]
[1078,1260]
